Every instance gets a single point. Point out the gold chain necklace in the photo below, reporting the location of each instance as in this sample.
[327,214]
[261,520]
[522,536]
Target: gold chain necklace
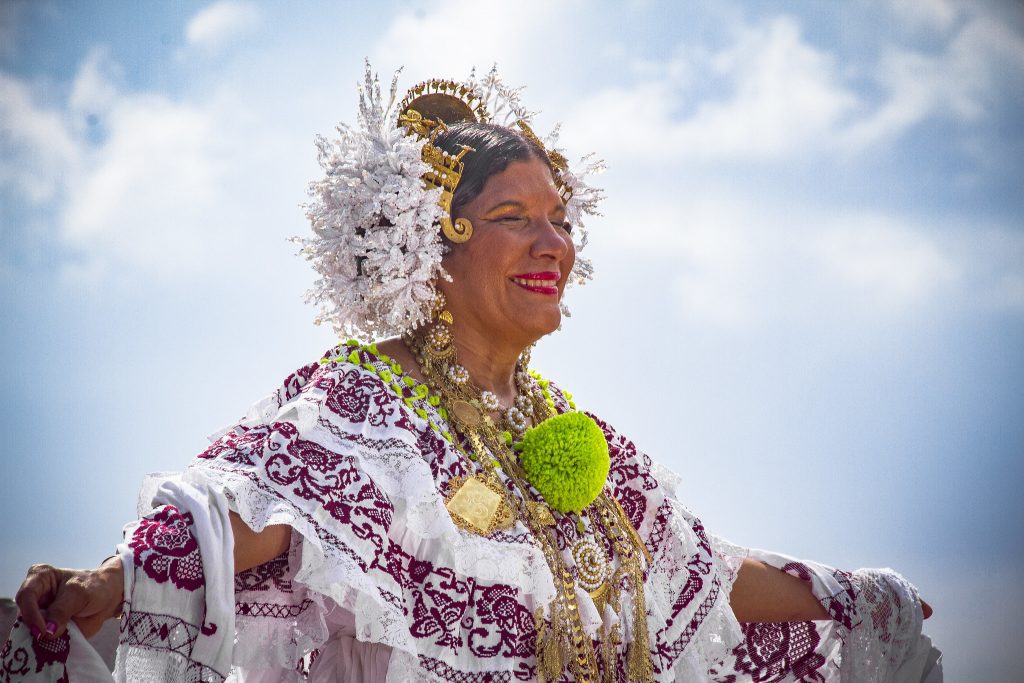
[481,504]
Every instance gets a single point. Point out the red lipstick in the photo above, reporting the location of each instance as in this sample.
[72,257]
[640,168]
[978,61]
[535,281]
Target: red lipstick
[542,283]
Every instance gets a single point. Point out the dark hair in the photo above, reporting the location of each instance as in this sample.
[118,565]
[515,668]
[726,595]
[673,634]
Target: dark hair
[494,148]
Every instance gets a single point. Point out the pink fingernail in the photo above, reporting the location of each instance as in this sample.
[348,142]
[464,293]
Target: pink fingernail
[34,630]
[51,627]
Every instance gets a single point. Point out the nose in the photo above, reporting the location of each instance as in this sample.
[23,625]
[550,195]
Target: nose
[550,241]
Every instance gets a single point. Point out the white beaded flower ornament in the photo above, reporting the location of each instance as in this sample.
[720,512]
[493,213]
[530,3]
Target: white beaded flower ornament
[377,213]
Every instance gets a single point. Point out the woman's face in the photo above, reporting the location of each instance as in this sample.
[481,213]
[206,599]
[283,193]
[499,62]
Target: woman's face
[508,278]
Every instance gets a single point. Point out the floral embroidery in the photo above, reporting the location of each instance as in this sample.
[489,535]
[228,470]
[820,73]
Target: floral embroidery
[499,605]
[260,578]
[164,547]
[24,656]
[770,652]
[437,615]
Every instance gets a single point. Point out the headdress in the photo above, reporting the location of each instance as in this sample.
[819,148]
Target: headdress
[379,211]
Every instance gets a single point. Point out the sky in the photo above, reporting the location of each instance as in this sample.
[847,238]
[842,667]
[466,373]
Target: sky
[809,298]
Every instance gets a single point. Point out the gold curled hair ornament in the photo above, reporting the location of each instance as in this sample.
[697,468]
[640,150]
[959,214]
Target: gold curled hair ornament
[423,113]
[446,172]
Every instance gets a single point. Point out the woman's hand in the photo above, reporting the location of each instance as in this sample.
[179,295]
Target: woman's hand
[50,597]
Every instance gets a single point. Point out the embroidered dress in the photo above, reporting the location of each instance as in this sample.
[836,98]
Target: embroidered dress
[380,584]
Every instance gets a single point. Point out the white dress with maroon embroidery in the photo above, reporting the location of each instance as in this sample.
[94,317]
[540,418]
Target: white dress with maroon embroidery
[379,584]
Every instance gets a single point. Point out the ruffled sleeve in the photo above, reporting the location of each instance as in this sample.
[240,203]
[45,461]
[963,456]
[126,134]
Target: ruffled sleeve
[875,630]
[690,576]
[349,456]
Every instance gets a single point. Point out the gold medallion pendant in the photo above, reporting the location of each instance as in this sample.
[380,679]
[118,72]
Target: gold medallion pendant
[477,504]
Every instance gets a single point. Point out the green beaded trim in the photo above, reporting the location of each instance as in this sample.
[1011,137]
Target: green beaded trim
[413,393]
[548,398]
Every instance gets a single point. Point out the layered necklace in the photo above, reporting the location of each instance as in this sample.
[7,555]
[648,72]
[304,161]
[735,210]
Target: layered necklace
[483,504]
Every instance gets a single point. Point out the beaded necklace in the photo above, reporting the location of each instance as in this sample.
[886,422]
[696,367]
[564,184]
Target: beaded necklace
[482,504]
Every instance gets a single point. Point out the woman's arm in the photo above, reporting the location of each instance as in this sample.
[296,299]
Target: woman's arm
[763,593]
[50,597]
[253,549]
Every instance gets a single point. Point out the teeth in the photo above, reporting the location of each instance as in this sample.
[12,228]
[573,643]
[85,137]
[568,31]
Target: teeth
[534,283]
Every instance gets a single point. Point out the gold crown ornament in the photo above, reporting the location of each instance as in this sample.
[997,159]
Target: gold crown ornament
[424,113]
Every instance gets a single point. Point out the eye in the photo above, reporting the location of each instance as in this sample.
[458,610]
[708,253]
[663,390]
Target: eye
[512,220]
[564,225]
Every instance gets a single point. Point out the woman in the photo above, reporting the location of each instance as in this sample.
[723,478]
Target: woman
[426,508]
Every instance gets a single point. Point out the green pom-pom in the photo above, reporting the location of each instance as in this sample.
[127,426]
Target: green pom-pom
[566,459]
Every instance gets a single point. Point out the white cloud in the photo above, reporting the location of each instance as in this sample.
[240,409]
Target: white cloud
[143,197]
[163,190]
[457,35]
[713,249]
[221,21]
[38,151]
[786,95]
[959,82]
[785,98]
[735,266]
[95,88]
[884,264]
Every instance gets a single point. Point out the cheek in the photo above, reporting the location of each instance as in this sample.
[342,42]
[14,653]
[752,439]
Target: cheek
[458,263]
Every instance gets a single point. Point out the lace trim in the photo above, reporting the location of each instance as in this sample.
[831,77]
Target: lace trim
[688,644]
[140,664]
[890,627]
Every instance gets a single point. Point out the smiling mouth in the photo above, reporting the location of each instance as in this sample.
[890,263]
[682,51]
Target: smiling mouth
[541,283]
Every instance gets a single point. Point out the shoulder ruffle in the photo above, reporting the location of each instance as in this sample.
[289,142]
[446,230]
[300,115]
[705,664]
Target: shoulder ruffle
[348,455]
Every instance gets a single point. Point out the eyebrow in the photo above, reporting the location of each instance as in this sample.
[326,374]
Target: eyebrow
[512,204]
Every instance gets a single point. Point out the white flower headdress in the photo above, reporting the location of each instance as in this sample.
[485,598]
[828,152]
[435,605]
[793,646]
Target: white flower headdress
[376,216]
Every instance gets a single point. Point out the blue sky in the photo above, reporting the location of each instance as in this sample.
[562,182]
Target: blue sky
[810,272]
